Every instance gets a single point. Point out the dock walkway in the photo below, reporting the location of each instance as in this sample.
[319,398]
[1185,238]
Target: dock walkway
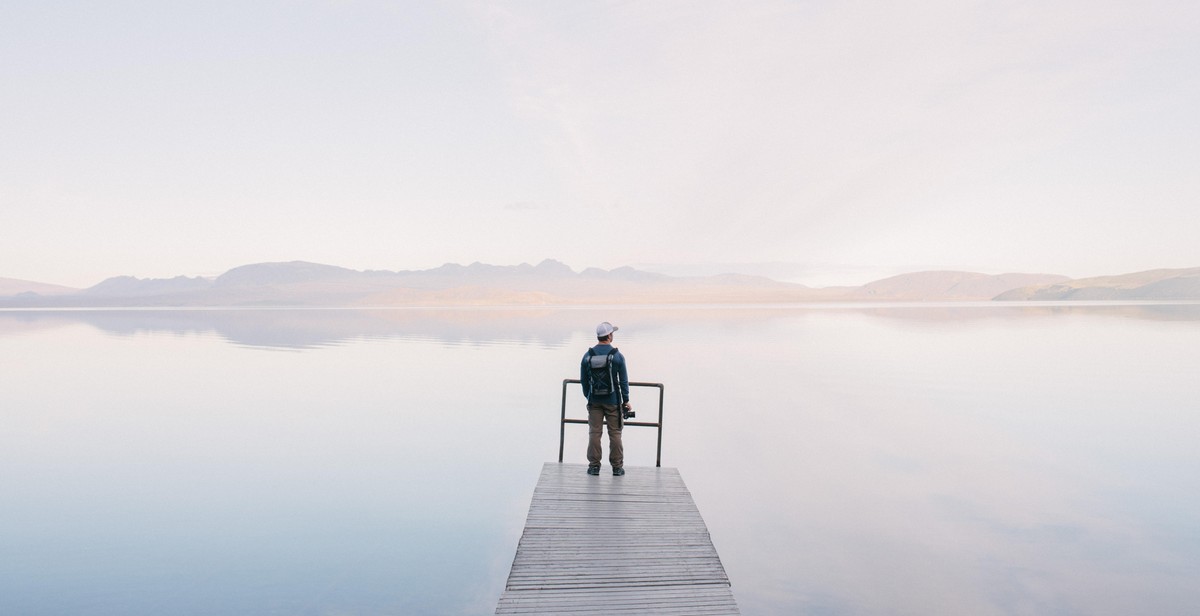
[611,545]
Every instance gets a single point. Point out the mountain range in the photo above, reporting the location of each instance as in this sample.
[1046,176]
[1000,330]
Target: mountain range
[551,282]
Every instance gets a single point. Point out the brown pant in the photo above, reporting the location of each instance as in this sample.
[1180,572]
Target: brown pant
[598,415]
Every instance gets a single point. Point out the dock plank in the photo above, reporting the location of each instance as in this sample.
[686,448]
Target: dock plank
[615,545]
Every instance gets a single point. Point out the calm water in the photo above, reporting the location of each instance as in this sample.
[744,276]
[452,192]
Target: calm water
[883,460]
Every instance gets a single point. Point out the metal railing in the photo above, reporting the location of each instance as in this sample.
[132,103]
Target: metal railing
[562,427]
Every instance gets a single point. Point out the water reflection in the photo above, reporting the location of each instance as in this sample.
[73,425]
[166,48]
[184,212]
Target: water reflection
[313,328]
[898,459]
[962,466]
[547,327]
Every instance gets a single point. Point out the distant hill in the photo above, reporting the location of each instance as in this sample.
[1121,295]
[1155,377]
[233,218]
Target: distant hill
[128,286]
[1160,284]
[949,286]
[267,274]
[12,286]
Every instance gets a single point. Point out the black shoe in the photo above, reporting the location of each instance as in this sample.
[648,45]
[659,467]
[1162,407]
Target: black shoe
[593,470]
[617,472]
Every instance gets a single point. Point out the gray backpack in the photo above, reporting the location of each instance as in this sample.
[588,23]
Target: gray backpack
[601,378]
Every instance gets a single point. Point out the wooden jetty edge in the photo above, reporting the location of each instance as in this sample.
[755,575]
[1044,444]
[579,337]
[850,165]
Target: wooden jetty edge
[615,545]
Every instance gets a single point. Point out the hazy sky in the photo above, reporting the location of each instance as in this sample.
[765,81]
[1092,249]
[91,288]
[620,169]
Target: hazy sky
[844,138]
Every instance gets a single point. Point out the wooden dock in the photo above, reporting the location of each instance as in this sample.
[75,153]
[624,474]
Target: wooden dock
[615,545]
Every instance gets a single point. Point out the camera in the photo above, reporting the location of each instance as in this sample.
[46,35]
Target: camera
[628,413]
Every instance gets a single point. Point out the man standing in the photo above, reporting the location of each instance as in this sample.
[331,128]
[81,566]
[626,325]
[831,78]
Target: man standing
[606,386]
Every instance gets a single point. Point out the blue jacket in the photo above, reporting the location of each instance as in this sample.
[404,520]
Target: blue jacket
[622,374]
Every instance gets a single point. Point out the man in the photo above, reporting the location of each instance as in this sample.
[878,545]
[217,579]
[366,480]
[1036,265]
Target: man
[607,400]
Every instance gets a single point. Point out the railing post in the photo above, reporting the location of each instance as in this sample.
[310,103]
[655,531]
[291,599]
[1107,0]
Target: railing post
[658,458]
[563,421]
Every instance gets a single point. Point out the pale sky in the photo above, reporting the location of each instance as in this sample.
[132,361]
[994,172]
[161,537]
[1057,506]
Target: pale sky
[828,138]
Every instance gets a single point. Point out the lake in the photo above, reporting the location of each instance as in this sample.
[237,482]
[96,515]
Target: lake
[879,459]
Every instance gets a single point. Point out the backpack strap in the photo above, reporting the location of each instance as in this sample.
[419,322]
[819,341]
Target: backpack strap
[614,379]
[592,352]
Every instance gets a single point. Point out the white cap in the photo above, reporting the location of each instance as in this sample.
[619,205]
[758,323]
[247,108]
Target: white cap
[604,329]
